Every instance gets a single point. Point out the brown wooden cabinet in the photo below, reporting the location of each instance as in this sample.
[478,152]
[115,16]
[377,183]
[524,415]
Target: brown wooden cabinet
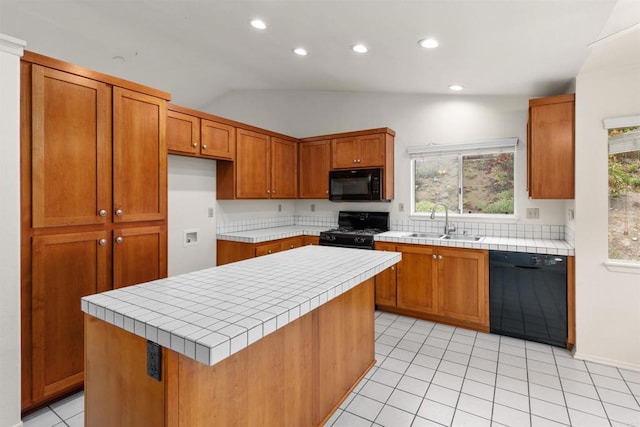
[363,151]
[93,167]
[229,251]
[385,282]
[371,148]
[550,148]
[65,267]
[449,285]
[196,134]
[315,163]
[265,168]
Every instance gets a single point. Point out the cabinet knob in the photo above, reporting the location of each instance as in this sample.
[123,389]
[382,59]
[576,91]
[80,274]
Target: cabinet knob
[102,212]
[204,146]
[269,251]
[119,212]
[194,144]
[393,267]
[359,160]
[439,256]
[291,247]
[102,242]
[119,239]
[355,161]
[434,256]
[268,191]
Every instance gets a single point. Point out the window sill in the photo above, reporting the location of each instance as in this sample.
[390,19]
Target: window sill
[629,267]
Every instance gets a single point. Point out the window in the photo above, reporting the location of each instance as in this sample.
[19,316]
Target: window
[469,179]
[624,193]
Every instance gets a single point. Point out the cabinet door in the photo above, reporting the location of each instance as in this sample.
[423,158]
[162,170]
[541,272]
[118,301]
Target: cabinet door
[311,240]
[139,156]
[416,272]
[371,151]
[65,268]
[284,169]
[292,243]
[551,148]
[218,140]
[183,133]
[315,163]
[463,285]
[253,175]
[71,149]
[386,280]
[139,255]
[344,153]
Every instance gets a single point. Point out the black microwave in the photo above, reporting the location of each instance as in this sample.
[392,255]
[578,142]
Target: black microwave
[355,185]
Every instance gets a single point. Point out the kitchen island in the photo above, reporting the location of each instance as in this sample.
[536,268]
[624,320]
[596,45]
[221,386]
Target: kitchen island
[275,340]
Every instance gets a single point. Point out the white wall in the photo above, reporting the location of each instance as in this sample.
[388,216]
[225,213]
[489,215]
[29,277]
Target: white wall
[417,120]
[192,191]
[10,52]
[607,302]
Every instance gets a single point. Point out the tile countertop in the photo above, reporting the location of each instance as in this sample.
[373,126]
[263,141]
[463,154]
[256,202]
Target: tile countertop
[540,246]
[273,233]
[211,314]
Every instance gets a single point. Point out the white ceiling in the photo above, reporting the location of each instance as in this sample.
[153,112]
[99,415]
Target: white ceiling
[198,50]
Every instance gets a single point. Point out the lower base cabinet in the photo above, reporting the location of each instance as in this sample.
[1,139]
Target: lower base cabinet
[229,251]
[448,285]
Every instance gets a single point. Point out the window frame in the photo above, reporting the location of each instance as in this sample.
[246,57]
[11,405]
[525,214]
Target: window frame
[494,146]
[615,264]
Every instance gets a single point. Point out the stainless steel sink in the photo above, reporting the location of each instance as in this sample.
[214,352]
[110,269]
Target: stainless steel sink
[427,235]
[461,238]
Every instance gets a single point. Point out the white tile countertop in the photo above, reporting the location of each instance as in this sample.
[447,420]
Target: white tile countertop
[274,233]
[211,314]
[514,244]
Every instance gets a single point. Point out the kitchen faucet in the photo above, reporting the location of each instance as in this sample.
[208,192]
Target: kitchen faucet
[447,229]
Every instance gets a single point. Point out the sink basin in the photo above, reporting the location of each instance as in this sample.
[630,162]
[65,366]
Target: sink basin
[427,235]
[461,238]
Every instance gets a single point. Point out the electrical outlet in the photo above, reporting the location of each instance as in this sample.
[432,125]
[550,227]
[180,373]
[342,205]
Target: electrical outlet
[210,212]
[533,213]
[571,214]
[313,207]
[279,207]
[400,207]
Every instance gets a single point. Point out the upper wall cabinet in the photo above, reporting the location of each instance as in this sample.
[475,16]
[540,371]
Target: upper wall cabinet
[550,148]
[364,151]
[265,168]
[314,163]
[196,134]
[372,148]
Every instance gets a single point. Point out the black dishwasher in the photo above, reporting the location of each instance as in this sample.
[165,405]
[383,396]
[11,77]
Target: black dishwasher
[528,296]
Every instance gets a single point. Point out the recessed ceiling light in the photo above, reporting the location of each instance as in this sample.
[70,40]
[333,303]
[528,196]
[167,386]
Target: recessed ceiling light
[428,43]
[258,23]
[300,51]
[359,48]
[456,88]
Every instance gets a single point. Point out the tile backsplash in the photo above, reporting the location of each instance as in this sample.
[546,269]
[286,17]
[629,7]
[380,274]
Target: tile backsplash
[489,229]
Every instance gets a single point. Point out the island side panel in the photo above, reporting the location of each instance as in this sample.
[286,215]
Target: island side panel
[118,391]
[268,383]
[346,345]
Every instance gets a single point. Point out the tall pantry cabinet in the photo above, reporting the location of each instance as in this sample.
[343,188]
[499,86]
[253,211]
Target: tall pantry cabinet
[94,208]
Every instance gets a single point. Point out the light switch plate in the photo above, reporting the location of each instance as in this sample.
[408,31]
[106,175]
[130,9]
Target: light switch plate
[533,213]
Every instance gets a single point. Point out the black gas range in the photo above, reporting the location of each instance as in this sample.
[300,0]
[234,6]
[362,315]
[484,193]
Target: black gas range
[356,229]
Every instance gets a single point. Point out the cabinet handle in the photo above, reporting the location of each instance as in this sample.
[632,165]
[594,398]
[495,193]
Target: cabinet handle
[119,239]
[273,191]
[355,161]
[291,247]
[393,267]
[439,256]
[269,251]
[204,146]
[102,212]
[268,191]
[119,212]
[194,144]
[102,242]
[434,256]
